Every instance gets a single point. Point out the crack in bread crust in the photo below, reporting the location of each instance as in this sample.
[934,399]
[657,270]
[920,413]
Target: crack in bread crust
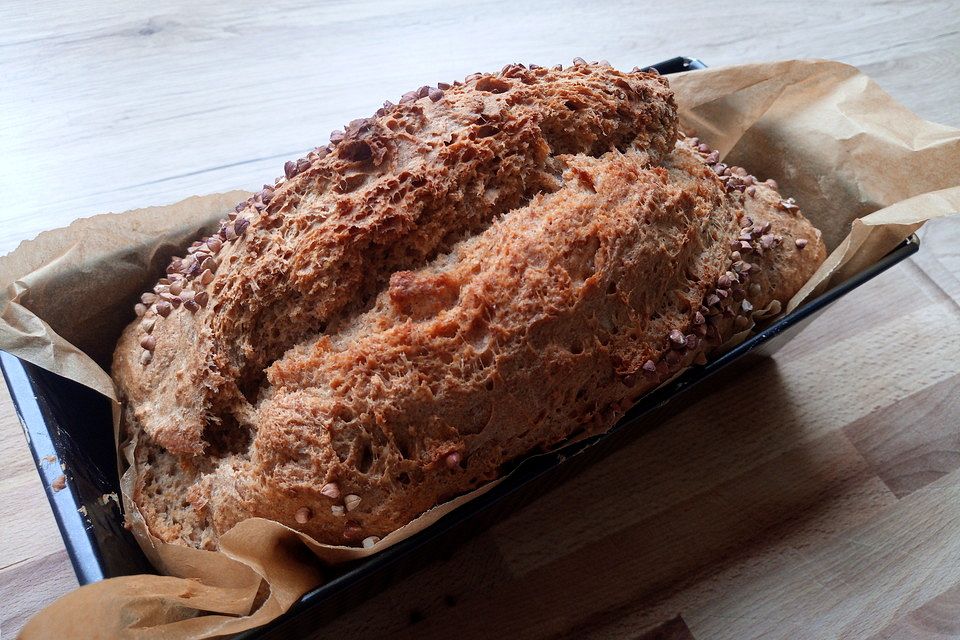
[458,281]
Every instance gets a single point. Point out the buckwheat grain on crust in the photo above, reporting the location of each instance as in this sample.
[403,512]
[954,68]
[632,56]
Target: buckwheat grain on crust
[479,271]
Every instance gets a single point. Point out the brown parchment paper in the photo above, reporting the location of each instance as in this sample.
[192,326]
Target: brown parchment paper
[864,169]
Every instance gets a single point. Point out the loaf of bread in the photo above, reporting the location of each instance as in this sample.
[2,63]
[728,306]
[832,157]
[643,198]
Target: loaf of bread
[481,271]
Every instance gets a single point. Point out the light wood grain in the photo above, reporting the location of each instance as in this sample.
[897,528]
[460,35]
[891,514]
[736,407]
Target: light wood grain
[779,504]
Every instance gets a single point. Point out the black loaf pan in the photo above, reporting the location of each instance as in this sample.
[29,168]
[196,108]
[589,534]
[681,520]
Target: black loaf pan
[70,425]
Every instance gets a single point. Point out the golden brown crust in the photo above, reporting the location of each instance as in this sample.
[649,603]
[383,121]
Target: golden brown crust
[463,279]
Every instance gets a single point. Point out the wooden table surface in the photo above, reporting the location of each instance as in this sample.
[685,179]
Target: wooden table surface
[816,495]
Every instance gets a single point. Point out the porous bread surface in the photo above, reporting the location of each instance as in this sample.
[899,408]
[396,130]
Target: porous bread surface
[457,282]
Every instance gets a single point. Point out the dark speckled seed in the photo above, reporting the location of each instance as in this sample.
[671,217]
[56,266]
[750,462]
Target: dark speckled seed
[800,242]
[443,86]
[352,531]
[698,318]
[164,308]
[239,226]
[290,169]
[578,61]
[351,501]
[746,306]
[408,97]
[677,338]
[302,165]
[650,366]
[691,341]
[357,126]
[435,94]
[423,91]
[303,515]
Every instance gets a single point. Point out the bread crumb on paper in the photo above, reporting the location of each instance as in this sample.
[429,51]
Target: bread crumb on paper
[59,483]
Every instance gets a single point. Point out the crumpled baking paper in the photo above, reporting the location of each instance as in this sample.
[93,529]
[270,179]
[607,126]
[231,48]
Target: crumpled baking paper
[863,168]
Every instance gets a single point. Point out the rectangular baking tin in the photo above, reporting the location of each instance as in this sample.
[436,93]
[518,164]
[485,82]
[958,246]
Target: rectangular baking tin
[69,430]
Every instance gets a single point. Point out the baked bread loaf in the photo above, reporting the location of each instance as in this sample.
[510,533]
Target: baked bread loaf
[483,270]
